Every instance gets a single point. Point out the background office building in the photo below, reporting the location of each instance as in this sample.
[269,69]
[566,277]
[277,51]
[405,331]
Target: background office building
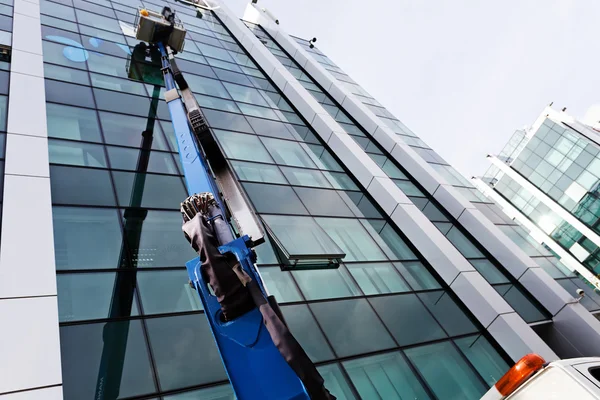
[438,292]
[547,177]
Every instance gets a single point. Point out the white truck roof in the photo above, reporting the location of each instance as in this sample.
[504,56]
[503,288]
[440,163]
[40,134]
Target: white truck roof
[577,378]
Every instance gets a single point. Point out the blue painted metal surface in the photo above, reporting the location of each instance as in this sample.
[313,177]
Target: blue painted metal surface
[253,363]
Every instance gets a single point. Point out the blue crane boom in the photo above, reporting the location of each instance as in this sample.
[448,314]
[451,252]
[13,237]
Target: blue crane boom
[260,356]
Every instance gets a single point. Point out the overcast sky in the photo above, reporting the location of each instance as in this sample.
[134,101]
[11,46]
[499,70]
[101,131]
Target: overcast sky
[463,75]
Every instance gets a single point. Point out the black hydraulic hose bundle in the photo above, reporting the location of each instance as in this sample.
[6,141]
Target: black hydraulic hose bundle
[237,293]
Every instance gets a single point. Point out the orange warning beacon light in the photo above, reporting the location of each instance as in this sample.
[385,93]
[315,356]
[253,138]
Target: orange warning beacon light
[516,376]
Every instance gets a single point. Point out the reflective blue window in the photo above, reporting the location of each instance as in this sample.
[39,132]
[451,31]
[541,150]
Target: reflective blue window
[99,248]
[484,357]
[335,382]
[171,339]
[446,372]
[82,349]
[407,319]
[386,376]
[352,327]
[378,278]
[167,292]
[96,295]
[326,284]
[305,329]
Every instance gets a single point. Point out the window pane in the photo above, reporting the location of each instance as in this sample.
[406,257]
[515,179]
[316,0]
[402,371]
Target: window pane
[3,112]
[245,94]
[326,284]
[223,120]
[446,311]
[323,202]
[94,296]
[417,275]
[322,157]
[82,348]
[166,292]
[287,153]
[352,327]
[489,271]
[121,85]
[159,191]
[258,172]
[127,130]
[409,322]
[396,244]
[386,376]
[161,242]
[242,147]
[265,127]
[464,245]
[484,357]
[222,392]
[74,153]
[67,93]
[378,278]
[301,235]
[66,74]
[522,305]
[86,18]
[122,102]
[121,158]
[280,284]
[305,329]
[180,342]
[274,199]
[305,177]
[352,238]
[361,205]
[54,53]
[99,247]
[335,382]
[72,185]
[445,371]
[211,87]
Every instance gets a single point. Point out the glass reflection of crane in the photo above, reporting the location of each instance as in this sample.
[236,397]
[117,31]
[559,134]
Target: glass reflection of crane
[144,65]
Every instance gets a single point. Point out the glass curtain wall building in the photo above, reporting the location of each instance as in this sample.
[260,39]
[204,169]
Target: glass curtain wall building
[432,300]
[547,177]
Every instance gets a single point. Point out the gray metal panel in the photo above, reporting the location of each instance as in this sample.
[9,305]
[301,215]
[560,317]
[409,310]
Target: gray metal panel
[27,34]
[430,242]
[518,339]
[546,290]
[416,166]
[388,195]
[27,63]
[29,343]
[36,161]
[504,250]
[454,204]
[27,210]
[584,336]
[485,303]
[27,105]
[51,393]
[31,9]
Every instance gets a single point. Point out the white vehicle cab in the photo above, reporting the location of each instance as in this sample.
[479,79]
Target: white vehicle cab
[533,379]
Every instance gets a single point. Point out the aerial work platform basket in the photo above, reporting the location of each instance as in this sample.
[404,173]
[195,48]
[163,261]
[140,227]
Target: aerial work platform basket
[153,27]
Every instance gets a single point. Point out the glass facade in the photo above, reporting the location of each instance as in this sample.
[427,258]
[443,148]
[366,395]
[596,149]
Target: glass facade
[508,287]
[561,163]
[124,303]
[565,165]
